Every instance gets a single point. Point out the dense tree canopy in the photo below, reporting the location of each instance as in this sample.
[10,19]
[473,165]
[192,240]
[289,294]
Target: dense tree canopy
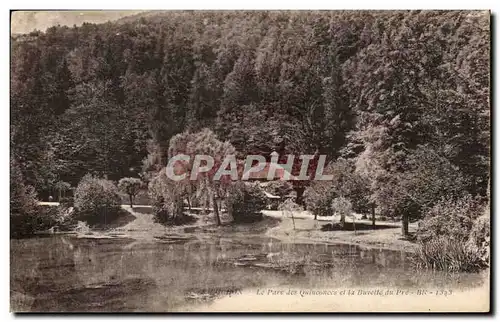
[375,87]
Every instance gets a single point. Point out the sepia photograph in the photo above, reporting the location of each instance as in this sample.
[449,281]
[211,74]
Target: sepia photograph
[250,161]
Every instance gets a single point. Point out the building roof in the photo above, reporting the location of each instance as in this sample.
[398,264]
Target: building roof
[271,196]
[280,173]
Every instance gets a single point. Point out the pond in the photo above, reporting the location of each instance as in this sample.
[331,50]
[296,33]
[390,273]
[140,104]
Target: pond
[171,273]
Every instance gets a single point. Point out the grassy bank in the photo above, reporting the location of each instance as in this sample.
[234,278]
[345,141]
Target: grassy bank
[387,235]
[140,224]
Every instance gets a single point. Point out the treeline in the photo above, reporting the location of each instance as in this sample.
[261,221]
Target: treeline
[402,97]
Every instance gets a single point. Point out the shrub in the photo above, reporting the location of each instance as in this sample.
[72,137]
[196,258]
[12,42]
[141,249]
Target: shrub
[42,218]
[343,207]
[170,213]
[67,202]
[245,201]
[448,255]
[451,218]
[453,237]
[167,201]
[26,217]
[479,238]
[347,182]
[96,200]
[65,214]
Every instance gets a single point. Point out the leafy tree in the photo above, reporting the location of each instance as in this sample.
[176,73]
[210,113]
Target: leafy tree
[207,188]
[62,187]
[245,202]
[288,208]
[23,204]
[342,207]
[369,86]
[394,102]
[167,196]
[346,183]
[96,200]
[130,186]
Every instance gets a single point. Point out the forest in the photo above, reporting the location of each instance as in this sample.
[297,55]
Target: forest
[398,101]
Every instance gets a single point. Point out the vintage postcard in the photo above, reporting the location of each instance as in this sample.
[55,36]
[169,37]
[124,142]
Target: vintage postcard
[250,161]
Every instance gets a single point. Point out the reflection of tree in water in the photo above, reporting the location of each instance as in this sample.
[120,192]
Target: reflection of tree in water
[64,273]
[40,267]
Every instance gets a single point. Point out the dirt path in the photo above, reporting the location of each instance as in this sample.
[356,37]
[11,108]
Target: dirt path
[136,225]
[143,222]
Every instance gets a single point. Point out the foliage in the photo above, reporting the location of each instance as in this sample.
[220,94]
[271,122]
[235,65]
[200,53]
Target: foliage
[454,236]
[245,201]
[142,81]
[279,188]
[26,217]
[342,207]
[204,186]
[67,202]
[479,237]
[449,255]
[82,227]
[96,200]
[346,182]
[130,186]
[451,218]
[403,94]
[22,197]
[318,198]
[404,86]
[288,208]
[168,203]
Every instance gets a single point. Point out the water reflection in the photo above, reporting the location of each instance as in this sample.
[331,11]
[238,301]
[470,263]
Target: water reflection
[64,273]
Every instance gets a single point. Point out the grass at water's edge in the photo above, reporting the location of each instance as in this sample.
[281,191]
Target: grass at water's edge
[309,230]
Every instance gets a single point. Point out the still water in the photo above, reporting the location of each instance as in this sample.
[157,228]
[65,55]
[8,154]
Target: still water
[65,273]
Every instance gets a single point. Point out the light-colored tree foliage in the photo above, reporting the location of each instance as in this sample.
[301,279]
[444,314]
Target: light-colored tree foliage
[208,190]
[130,186]
[342,207]
[289,208]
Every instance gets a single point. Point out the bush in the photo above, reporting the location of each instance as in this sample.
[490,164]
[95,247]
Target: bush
[96,200]
[479,238]
[26,216]
[245,202]
[279,188]
[347,182]
[342,207]
[41,219]
[67,202]
[451,218]
[448,255]
[167,201]
[318,198]
[453,236]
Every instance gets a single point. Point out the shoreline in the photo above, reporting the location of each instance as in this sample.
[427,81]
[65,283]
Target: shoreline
[308,230]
